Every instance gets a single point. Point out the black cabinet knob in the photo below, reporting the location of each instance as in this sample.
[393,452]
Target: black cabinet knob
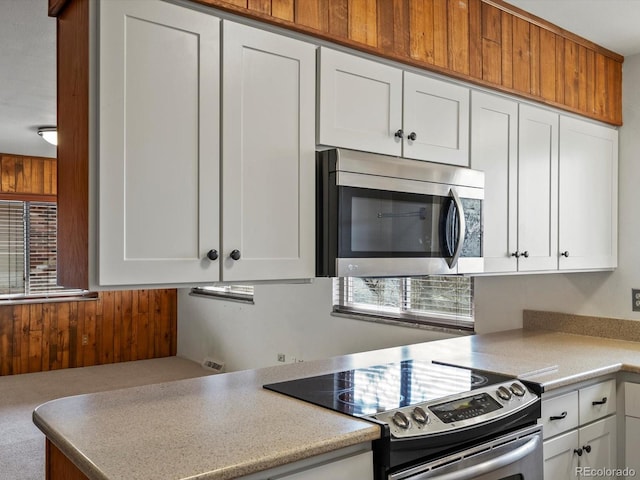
[565,254]
[235,254]
[587,448]
[516,254]
[412,136]
[525,254]
[212,255]
[399,134]
[578,451]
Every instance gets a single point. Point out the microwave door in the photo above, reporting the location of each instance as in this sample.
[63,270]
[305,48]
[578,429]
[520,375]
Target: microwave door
[454,229]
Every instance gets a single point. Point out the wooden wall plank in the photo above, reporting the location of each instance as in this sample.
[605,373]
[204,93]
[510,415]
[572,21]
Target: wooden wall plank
[571,74]
[521,55]
[385,19]
[48,336]
[475,38]
[421,36]
[440,34]
[260,6]
[560,85]
[363,22]
[582,78]
[6,341]
[547,65]
[507,49]
[458,35]
[338,18]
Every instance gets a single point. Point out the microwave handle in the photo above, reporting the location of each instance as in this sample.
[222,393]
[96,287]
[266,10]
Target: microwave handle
[461,228]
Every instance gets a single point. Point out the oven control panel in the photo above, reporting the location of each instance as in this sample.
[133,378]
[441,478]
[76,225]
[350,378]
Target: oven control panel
[458,411]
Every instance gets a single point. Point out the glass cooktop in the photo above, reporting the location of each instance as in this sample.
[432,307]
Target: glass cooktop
[376,389]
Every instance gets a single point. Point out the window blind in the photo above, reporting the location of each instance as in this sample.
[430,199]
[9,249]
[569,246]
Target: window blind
[435,300]
[28,239]
[12,248]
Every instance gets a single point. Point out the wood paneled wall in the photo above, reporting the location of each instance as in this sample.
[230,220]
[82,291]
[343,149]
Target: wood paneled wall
[116,327]
[26,176]
[487,42]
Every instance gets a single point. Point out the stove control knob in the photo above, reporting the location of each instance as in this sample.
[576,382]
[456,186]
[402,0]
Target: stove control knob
[517,389]
[504,393]
[420,416]
[401,420]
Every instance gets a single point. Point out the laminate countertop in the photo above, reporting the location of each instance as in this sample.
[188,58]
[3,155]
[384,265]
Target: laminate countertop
[225,426]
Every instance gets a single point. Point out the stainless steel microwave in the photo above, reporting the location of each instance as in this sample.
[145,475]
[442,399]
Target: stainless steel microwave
[380,216]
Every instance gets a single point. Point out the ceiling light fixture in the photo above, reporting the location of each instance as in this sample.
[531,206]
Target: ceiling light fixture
[50,134]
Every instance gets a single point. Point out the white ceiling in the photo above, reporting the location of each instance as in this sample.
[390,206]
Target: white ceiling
[27,57]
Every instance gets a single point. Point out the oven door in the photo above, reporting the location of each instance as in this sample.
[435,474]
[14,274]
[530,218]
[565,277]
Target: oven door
[516,456]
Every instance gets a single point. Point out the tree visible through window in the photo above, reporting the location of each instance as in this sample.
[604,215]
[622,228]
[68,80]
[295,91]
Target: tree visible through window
[436,300]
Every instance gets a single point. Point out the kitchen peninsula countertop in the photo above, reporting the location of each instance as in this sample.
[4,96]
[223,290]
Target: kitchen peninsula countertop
[225,426]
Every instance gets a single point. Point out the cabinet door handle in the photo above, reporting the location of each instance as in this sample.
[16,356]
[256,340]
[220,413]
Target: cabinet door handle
[516,254]
[212,255]
[525,254]
[577,451]
[399,134]
[600,402]
[235,254]
[562,416]
[587,448]
[565,254]
[412,136]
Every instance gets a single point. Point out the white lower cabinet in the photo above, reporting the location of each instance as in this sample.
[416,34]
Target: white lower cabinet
[580,431]
[351,463]
[632,428]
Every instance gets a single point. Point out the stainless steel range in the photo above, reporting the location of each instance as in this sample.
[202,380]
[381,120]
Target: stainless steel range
[437,421]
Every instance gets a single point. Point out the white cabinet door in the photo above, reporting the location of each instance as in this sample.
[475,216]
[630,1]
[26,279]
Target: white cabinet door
[588,215]
[494,150]
[560,457]
[632,444]
[268,151]
[598,443]
[435,120]
[360,103]
[356,467]
[158,143]
[537,189]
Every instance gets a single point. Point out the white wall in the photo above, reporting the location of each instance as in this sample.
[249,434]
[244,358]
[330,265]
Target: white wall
[290,319]
[499,301]
[295,319]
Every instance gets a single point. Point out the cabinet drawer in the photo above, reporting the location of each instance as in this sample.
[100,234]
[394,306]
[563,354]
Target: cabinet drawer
[632,399]
[597,401]
[559,414]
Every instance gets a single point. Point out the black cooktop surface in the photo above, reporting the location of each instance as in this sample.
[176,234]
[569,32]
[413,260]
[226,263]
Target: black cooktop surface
[375,389]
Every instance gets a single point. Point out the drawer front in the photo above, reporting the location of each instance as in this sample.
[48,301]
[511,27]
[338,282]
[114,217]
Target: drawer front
[632,399]
[597,401]
[559,414]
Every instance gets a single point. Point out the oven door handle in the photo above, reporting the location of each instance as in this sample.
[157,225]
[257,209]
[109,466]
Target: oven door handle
[485,467]
[461,228]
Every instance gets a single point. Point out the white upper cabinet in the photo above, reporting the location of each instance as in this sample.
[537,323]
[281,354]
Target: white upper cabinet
[537,189]
[370,106]
[360,103]
[268,151]
[494,150]
[436,120]
[588,195]
[158,143]
[167,215]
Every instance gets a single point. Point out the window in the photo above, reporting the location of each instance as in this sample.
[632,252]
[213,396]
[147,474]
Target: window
[240,293]
[436,300]
[28,250]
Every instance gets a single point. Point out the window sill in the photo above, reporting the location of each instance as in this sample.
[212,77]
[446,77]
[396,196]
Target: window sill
[222,296]
[459,331]
[91,296]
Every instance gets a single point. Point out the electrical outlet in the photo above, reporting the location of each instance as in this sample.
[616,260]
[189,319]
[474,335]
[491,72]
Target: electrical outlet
[635,299]
[281,357]
[85,339]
